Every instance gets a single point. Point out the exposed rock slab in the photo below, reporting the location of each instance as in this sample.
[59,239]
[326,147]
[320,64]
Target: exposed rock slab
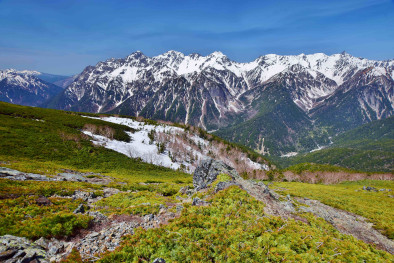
[16,175]
[348,223]
[20,249]
[207,172]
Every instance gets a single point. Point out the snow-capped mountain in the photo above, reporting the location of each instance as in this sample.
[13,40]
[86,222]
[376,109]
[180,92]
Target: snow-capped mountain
[24,87]
[215,92]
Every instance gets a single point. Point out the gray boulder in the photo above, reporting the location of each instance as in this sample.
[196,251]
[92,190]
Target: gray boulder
[198,202]
[208,170]
[223,185]
[80,209]
[20,249]
[159,260]
[16,175]
[72,177]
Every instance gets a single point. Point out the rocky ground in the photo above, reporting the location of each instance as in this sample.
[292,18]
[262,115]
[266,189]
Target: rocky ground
[105,233]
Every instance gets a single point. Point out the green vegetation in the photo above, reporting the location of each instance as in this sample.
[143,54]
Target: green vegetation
[375,206]
[313,167]
[234,229]
[294,131]
[22,216]
[10,188]
[142,203]
[47,141]
[221,178]
[366,148]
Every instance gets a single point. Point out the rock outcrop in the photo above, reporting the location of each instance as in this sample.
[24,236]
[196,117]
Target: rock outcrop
[20,249]
[207,172]
[73,176]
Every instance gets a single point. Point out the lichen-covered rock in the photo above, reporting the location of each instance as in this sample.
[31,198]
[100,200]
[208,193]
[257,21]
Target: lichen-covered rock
[20,249]
[207,172]
[223,185]
[198,202]
[80,209]
[16,175]
[42,200]
[159,260]
[72,177]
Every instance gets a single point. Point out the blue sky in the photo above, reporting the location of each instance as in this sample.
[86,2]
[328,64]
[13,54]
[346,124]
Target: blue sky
[64,36]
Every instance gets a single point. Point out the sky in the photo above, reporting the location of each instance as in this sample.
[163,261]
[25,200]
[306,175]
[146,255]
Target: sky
[64,36]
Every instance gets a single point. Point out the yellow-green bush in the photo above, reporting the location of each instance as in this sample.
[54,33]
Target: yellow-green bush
[349,196]
[234,229]
[22,216]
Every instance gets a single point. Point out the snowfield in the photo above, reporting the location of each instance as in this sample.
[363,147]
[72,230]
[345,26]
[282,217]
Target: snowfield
[179,153]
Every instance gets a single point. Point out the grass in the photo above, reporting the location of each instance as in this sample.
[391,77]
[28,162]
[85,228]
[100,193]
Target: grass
[47,141]
[234,229]
[22,216]
[61,188]
[314,167]
[377,207]
[142,203]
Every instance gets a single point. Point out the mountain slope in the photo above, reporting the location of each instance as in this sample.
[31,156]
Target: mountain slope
[368,148]
[367,96]
[24,87]
[216,93]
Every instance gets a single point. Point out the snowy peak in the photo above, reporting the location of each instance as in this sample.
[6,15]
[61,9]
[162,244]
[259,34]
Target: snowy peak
[338,67]
[24,87]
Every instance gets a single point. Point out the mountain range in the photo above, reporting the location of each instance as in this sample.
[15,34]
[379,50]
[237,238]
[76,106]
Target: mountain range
[26,88]
[276,104]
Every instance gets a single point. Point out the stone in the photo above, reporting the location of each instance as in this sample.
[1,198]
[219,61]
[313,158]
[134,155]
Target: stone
[369,188]
[80,209]
[223,185]
[42,242]
[4,171]
[20,176]
[42,200]
[20,249]
[72,177]
[98,217]
[149,217]
[208,170]
[196,201]
[107,192]
[8,254]
[159,260]
[179,208]
[274,195]
[85,196]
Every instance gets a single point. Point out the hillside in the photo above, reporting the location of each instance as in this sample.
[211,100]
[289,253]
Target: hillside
[366,148]
[67,183]
[70,134]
